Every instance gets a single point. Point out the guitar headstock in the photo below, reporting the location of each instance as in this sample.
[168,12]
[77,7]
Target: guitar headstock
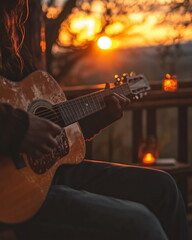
[138,84]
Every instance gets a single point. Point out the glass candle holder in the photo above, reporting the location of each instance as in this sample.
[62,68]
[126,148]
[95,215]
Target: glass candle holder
[170,83]
[148,151]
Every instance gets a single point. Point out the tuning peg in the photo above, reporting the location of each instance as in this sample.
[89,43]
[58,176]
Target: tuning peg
[117,80]
[124,77]
[132,74]
[136,97]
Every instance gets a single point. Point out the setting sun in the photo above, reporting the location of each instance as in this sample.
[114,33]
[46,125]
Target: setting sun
[131,29]
[104,42]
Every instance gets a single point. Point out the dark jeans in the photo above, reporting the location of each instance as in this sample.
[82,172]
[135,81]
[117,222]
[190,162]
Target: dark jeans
[95,200]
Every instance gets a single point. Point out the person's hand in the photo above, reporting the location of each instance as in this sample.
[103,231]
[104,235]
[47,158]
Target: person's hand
[116,104]
[40,138]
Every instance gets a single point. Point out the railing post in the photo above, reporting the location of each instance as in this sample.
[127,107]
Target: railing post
[151,122]
[137,133]
[183,134]
[182,153]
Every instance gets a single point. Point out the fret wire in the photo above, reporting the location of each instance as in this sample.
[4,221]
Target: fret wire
[63,113]
[92,103]
[76,106]
[72,112]
[99,97]
[56,110]
[95,102]
[102,96]
[84,110]
[68,115]
[75,109]
[87,105]
[84,106]
[98,102]
[93,99]
[79,105]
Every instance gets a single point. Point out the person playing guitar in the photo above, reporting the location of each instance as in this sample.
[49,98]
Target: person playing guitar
[88,200]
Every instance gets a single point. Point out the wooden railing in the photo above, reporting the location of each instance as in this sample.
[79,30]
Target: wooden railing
[148,107]
[156,99]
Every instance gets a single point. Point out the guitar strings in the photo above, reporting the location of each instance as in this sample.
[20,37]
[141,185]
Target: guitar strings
[48,113]
[72,102]
[56,117]
[106,92]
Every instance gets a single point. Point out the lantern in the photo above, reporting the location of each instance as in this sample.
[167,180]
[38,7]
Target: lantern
[148,151]
[170,83]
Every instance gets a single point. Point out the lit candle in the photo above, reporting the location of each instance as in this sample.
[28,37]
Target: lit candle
[148,150]
[148,158]
[170,83]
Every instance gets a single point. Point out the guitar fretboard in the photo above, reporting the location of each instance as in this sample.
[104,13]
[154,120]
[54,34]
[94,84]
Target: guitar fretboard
[73,110]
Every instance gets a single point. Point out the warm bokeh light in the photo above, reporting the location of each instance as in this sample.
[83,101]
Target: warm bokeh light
[170,83]
[64,38]
[88,25]
[136,17]
[104,42]
[132,28]
[52,12]
[115,28]
[79,29]
[98,7]
[148,158]
[148,150]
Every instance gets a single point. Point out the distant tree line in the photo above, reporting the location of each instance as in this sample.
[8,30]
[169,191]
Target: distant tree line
[65,61]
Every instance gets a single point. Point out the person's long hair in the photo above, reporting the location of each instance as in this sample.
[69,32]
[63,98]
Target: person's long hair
[13,17]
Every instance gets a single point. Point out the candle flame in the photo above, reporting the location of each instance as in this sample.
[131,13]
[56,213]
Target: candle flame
[148,158]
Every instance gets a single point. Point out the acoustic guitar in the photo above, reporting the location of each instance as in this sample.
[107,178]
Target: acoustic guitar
[24,182]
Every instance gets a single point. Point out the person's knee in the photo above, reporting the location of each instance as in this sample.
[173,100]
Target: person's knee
[168,185]
[145,225]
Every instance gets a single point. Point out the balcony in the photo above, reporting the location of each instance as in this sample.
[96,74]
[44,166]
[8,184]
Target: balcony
[144,118]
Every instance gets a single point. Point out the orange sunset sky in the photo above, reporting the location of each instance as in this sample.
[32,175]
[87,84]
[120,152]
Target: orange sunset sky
[134,29]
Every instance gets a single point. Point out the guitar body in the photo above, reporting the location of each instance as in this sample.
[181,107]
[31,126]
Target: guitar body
[24,185]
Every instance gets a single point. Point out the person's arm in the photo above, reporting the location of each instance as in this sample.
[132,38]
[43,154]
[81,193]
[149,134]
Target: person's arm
[92,125]
[22,132]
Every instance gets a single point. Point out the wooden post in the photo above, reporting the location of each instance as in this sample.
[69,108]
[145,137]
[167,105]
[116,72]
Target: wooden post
[183,134]
[182,153]
[137,134]
[151,122]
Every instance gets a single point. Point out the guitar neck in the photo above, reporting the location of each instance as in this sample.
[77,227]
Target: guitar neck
[76,109]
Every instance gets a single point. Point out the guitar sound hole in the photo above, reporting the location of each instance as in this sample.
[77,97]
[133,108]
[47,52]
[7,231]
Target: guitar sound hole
[47,113]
